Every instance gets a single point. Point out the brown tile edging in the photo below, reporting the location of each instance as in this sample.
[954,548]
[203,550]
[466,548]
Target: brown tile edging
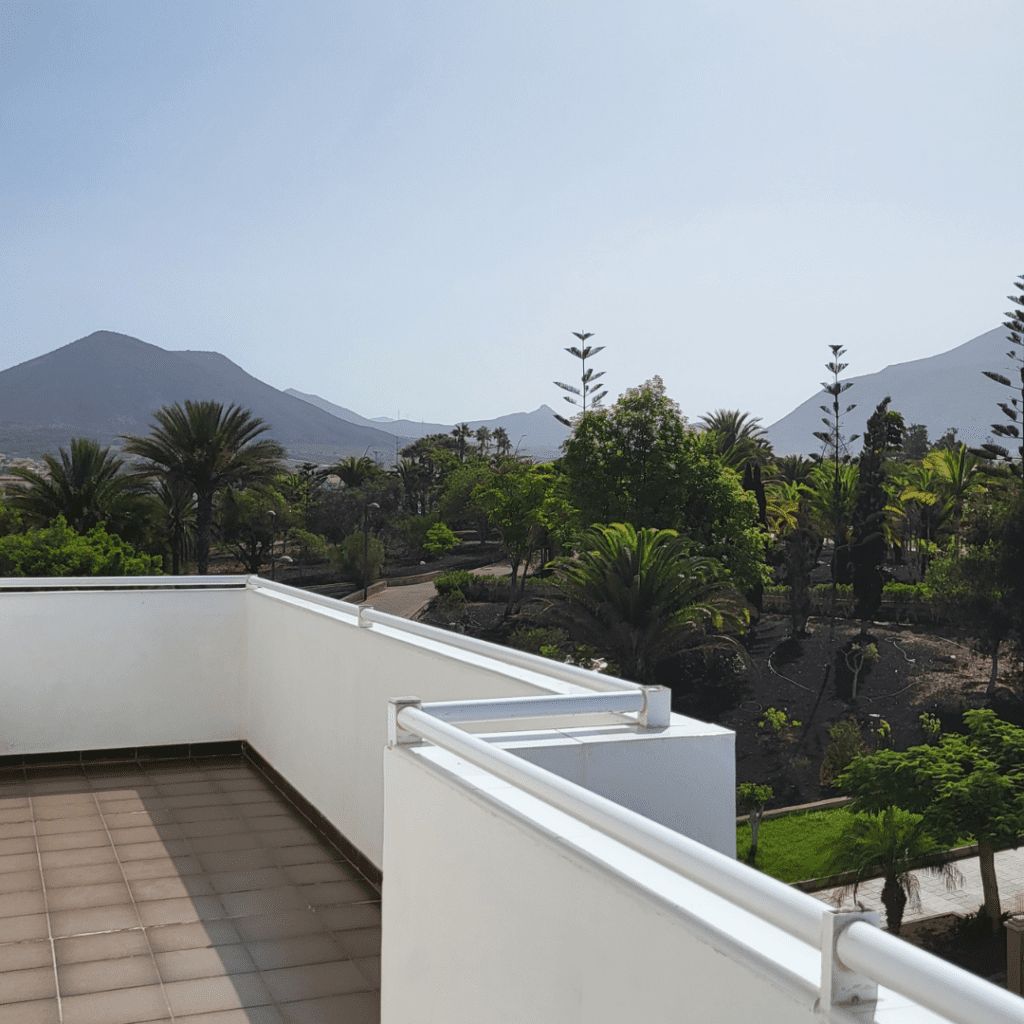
[328,832]
[849,877]
[782,812]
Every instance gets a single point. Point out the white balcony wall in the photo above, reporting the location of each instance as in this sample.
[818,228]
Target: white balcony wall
[106,667]
[500,908]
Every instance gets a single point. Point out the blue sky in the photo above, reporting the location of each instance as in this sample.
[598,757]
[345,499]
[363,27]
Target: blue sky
[408,207]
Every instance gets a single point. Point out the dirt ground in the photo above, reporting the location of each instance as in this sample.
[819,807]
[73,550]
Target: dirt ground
[919,669]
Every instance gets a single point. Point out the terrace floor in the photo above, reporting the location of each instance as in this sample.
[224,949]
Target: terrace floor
[189,892]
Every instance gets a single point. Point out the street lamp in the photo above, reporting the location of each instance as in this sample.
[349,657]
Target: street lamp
[366,549]
[273,523]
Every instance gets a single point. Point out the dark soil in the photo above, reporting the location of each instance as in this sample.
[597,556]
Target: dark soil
[967,942]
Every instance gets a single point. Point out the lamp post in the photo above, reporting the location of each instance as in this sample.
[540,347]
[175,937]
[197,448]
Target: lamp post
[273,523]
[366,549]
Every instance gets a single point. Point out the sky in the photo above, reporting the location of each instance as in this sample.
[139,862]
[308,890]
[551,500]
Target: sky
[408,208]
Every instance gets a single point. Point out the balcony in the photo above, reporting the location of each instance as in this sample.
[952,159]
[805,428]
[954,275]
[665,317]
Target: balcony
[551,845]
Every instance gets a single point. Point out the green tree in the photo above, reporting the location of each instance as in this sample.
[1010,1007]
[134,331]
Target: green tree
[639,462]
[354,472]
[893,843]
[363,556]
[462,433]
[640,597]
[915,443]
[502,443]
[751,798]
[516,501]
[87,485]
[587,388]
[177,504]
[250,521]
[58,550]
[971,784]
[1014,410]
[957,476]
[208,448]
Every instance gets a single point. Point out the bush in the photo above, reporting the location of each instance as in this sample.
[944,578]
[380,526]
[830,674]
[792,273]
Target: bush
[353,550]
[846,744]
[308,547]
[439,540]
[56,550]
[448,582]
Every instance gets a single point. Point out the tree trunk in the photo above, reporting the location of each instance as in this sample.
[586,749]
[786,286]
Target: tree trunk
[204,531]
[990,884]
[994,674]
[755,824]
[512,586]
[894,899]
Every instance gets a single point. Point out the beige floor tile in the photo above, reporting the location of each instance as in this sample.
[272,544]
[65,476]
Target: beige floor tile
[308,874]
[120,1006]
[297,951]
[204,995]
[10,815]
[82,874]
[314,980]
[24,881]
[65,923]
[350,915]
[193,935]
[170,888]
[19,862]
[236,860]
[41,1011]
[281,925]
[195,800]
[217,827]
[12,801]
[369,967]
[78,897]
[224,844]
[145,834]
[153,850]
[360,942]
[264,901]
[161,867]
[325,894]
[250,1015]
[78,809]
[77,858]
[181,911]
[133,819]
[210,962]
[21,956]
[21,986]
[19,904]
[306,853]
[355,1008]
[23,928]
[107,946]
[244,881]
[20,844]
[285,837]
[106,975]
[73,841]
[61,826]
[17,830]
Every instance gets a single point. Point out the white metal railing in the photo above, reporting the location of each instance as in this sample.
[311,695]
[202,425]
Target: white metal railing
[123,582]
[875,956]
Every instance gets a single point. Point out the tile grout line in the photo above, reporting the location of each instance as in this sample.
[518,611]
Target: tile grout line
[135,907]
[46,909]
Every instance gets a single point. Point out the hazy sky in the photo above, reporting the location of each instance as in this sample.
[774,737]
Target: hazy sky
[409,206]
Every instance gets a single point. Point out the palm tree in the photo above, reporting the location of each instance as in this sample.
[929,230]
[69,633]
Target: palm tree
[87,486]
[640,597]
[206,447]
[742,439]
[483,440]
[355,472]
[959,474]
[178,505]
[502,443]
[462,433]
[892,844]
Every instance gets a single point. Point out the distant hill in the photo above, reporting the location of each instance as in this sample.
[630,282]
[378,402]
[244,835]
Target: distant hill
[536,433]
[947,390]
[109,384]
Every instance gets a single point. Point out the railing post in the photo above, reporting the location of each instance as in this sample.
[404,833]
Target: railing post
[397,736]
[1015,955]
[362,622]
[841,988]
[657,710]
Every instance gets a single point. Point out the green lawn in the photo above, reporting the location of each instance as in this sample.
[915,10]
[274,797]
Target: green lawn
[797,846]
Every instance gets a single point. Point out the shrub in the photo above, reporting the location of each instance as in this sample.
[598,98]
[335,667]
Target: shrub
[56,550]
[449,582]
[353,551]
[308,547]
[439,540]
[846,744]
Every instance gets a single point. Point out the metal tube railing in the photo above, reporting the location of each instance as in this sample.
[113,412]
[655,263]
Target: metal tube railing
[789,909]
[952,993]
[501,708]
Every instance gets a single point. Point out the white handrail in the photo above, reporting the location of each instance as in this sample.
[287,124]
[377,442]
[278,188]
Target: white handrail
[952,993]
[789,909]
[502,708]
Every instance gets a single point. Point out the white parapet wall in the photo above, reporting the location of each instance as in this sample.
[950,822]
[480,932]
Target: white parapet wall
[93,665]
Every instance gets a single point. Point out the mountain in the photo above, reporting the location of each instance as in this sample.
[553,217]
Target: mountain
[536,433]
[947,390]
[109,384]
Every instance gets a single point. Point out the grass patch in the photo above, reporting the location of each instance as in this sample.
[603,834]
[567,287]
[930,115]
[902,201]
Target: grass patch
[798,846]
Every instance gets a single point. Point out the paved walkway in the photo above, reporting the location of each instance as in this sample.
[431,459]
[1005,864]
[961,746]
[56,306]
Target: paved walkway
[407,601]
[936,899]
